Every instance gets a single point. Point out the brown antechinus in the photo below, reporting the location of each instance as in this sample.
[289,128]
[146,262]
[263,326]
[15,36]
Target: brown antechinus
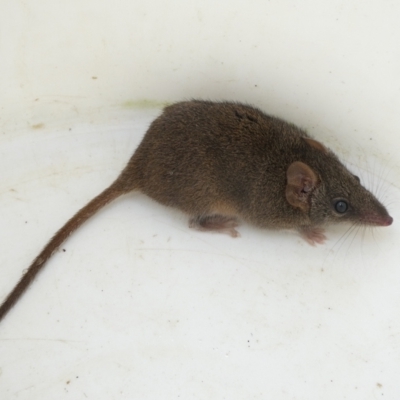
[225,162]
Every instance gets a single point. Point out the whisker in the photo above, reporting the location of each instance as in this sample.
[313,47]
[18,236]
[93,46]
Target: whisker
[342,240]
[353,232]
[338,242]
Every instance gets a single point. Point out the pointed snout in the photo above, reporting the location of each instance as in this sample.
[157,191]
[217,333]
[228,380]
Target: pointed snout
[377,220]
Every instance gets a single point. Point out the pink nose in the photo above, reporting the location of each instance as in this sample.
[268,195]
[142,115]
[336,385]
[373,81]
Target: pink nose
[387,221]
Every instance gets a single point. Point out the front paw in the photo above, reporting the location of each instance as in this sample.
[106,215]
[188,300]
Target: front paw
[313,235]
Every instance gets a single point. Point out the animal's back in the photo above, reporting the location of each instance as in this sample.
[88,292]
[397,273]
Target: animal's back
[205,157]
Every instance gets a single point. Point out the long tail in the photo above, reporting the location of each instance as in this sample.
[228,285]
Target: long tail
[74,223]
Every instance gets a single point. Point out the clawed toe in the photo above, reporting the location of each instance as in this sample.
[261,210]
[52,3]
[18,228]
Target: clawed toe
[313,235]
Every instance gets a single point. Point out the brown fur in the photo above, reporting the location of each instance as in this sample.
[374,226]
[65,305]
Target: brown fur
[221,162]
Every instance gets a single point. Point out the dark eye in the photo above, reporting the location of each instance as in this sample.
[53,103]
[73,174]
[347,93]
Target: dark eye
[341,206]
[357,178]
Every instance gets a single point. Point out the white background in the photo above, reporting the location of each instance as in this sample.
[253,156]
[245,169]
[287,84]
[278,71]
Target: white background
[139,306]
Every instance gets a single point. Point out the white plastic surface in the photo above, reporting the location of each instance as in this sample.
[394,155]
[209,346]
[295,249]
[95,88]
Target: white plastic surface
[136,305]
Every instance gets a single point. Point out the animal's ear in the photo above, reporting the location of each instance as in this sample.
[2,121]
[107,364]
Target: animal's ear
[301,181]
[317,145]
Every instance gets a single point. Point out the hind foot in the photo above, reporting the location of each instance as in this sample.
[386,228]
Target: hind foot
[217,223]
